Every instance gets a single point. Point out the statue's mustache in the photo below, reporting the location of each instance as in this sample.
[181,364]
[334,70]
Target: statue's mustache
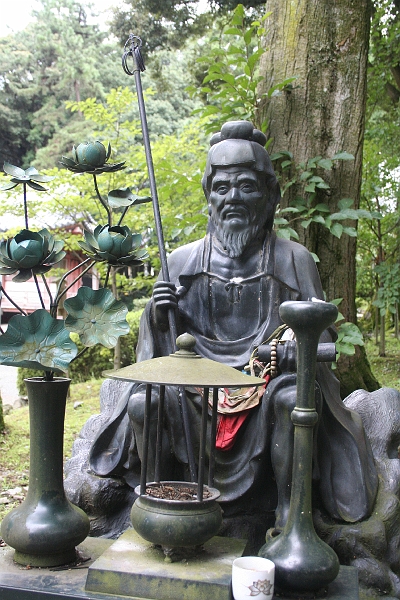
[234,208]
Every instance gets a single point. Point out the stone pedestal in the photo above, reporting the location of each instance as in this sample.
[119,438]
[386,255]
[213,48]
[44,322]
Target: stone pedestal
[133,567]
[130,566]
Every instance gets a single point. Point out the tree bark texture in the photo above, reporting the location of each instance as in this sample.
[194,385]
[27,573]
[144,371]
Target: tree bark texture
[325,45]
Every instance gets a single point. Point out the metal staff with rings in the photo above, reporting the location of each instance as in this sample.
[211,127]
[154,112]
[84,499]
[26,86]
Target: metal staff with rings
[132,52]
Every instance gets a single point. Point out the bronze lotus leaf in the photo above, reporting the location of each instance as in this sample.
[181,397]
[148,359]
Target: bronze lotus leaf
[91,157]
[115,245]
[37,341]
[124,197]
[30,177]
[96,316]
[29,253]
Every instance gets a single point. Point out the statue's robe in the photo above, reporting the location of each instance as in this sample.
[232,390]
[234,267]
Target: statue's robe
[229,319]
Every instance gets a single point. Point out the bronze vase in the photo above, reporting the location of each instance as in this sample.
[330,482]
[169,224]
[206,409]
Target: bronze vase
[45,529]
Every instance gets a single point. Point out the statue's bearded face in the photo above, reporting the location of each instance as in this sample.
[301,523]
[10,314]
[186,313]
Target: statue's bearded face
[238,206]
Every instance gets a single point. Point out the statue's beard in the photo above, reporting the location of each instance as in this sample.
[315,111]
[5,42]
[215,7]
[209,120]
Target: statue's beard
[235,242]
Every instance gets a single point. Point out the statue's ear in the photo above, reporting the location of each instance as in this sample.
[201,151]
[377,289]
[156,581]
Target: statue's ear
[275,194]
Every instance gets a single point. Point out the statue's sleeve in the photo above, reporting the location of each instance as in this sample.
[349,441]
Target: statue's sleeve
[295,267]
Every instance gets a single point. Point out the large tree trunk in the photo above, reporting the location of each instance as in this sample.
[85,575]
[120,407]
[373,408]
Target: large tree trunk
[324,44]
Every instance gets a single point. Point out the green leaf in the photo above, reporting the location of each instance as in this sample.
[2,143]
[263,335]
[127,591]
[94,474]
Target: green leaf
[247,36]
[348,213]
[345,203]
[337,230]
[280,154]
[287,233]
[318,219]
[189,229]
[364,214]
[235,50]
[288,209]
[310,188]
[233,31]
[343,156]
[346,348]
[284,233]
[317,179]
[325,163]
[350,231]
[336,301]
[312,162]
[228,78]
[322,207]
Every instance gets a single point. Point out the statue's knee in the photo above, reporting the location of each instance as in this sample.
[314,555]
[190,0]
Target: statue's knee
[137,404]
[285,399]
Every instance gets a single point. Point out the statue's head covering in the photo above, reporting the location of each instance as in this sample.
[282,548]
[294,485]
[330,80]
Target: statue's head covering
[239,143]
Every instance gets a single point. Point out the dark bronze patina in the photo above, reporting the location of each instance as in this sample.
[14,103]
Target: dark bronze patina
[168,522]
[303,562]
[225,290]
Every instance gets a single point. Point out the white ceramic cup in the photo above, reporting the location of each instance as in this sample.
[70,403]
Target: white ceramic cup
[253,577]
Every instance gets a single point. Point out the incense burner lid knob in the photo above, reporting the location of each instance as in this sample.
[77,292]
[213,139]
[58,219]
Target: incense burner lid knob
[186,344]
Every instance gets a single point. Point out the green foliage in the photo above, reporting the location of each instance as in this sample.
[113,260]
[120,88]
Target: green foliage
[307,207]
[386,369]
[169,23]
[178,159]
[55,59]
[22,374]
[231,85]
[384,63]
[231,90]
[378,241]
[388,298]
[348,335]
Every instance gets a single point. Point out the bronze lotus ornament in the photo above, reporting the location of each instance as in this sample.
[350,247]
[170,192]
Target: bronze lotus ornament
[91,157]
[115,245]
[97,317]
[29,253]
[29,177]
[41,340]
